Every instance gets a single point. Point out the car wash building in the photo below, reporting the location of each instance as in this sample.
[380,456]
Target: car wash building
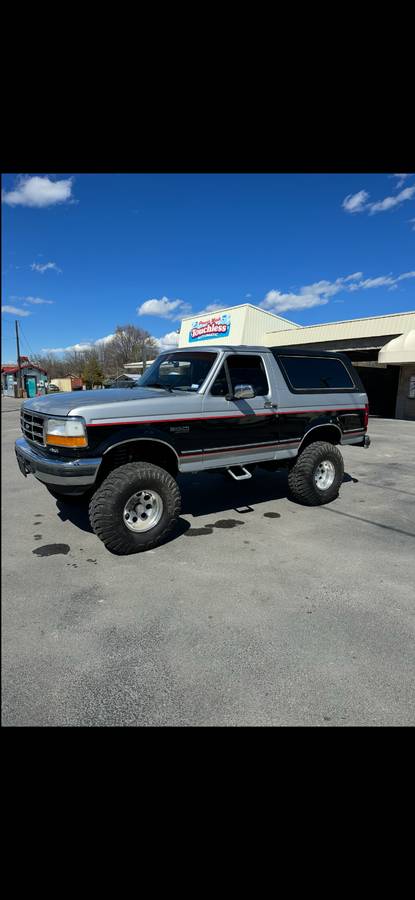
[381,347]
[244,324]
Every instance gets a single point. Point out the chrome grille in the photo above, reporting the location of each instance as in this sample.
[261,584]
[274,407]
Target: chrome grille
[32,427]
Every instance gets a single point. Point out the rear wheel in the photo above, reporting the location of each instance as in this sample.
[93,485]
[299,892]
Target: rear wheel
[135,508]
[317,474]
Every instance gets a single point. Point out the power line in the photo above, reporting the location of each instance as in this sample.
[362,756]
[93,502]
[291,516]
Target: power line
[31,352]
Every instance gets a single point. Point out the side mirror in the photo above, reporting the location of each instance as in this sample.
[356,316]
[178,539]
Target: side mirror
[243,392]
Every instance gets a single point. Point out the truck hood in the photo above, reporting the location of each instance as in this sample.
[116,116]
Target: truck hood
[63,404]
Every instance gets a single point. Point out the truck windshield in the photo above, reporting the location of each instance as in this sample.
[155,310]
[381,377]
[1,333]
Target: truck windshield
[179,371]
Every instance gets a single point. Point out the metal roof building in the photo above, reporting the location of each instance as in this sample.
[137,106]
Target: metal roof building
[243,324]
[375,331]
[381,347]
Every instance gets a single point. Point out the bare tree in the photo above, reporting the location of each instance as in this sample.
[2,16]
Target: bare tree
[50,363]
[131,344]
[75,361]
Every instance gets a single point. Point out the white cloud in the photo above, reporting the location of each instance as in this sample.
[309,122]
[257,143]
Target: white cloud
[38,191]
[381,281]
[81,346]
[54,349]
[406,275]
[39,267]
[74,347]
[167,309]
[168,342]
[105,340]
[355,202]
[310,295]
[319,293]
[15,311]
[412,222]
[401,179]
[391,202]
[213,307]
[36,301]
[277,302]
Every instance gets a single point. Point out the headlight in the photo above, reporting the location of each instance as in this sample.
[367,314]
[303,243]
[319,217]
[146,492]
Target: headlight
[66,432]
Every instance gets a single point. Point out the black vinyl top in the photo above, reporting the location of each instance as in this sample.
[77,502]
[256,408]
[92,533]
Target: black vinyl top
[303,351]
[247,348]
[290,350]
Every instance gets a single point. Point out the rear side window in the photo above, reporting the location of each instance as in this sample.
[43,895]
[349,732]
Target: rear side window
[315,373]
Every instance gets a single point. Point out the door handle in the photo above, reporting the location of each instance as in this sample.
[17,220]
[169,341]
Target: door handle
[269,405]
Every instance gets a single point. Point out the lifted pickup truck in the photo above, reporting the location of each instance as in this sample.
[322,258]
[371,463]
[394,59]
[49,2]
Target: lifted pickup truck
[222,407]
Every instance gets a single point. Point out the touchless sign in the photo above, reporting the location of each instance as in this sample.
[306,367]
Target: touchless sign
[213,326]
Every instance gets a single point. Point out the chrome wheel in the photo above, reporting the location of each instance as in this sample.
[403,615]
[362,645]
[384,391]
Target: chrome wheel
[324,475]
[143,511]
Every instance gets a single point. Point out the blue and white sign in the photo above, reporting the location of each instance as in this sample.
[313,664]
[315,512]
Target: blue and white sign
[206,328]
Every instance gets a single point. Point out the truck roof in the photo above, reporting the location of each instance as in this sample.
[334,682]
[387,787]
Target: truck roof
[216,347]
[252,348]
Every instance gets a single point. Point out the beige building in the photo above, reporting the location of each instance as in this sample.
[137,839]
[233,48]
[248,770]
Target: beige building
[68,383]
[381,347]
[244,324]
[137,367]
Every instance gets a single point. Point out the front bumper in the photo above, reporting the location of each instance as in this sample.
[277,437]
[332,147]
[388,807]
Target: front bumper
[72,476]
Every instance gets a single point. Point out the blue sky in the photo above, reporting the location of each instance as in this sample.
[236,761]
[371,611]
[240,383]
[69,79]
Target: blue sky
[83,253]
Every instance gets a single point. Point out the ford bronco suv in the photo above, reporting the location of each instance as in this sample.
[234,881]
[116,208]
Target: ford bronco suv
[223,407]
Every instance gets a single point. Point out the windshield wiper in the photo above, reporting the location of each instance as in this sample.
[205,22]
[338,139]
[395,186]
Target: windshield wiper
[157,384]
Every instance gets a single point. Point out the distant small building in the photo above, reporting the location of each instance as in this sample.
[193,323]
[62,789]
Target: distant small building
[68,383]
[122,381]
[33,378]
[137,366]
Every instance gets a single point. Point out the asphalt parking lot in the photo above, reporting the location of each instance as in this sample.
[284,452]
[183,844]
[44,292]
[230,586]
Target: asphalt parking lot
[258,612]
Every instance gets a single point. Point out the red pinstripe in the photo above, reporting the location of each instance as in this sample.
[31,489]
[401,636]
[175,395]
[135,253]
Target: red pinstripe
[289,412]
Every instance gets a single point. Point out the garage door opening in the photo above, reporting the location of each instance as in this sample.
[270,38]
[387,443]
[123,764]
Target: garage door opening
[381,386]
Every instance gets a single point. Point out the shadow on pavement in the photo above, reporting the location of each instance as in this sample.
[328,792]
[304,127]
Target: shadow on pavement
[204,495]
[212,492]
[77,513]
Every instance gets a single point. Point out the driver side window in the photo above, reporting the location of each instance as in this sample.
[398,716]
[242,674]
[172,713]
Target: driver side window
[220,385]
[242,370]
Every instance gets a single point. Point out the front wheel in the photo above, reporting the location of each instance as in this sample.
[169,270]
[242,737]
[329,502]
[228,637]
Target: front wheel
[135,508]
[317,474]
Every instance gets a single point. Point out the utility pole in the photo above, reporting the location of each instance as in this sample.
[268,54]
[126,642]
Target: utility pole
[19,371]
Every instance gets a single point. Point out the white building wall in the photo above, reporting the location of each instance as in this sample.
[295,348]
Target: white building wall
[258,322]
[248,325]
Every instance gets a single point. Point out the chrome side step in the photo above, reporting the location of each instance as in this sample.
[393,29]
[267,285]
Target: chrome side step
[245,473]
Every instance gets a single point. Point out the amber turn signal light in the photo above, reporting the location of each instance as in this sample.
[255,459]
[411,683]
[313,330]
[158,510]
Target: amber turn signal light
[65,441]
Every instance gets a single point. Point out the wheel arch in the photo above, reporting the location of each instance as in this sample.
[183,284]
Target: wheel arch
[326,431]
[151,450]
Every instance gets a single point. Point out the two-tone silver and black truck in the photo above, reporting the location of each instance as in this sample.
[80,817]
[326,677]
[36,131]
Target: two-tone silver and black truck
[220,407]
